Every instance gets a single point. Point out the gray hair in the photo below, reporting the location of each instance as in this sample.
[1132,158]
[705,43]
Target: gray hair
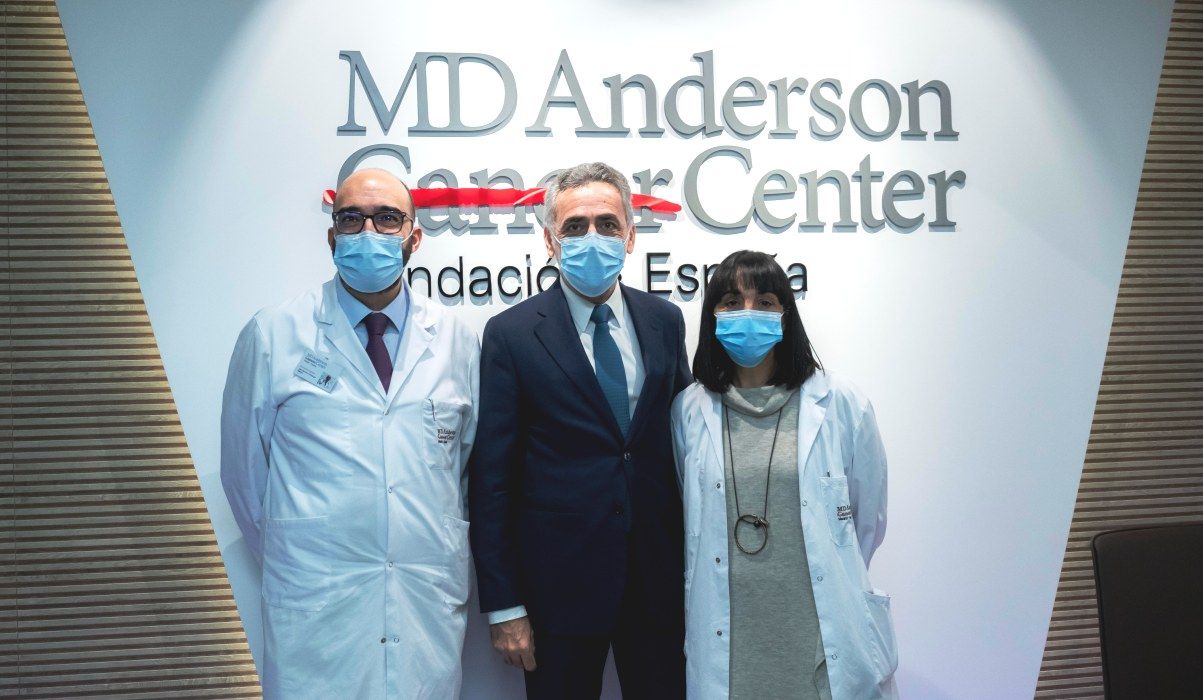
[579,176]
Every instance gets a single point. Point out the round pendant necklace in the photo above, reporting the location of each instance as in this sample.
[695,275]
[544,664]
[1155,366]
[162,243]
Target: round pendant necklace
[758,523]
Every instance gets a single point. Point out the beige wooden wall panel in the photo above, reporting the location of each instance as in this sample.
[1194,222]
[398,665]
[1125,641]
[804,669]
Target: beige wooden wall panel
[111,583]
[1144,462]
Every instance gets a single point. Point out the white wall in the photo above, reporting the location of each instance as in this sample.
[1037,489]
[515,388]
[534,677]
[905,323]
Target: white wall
[981,347]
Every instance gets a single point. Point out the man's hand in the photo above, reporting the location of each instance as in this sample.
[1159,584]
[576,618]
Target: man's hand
[516,642]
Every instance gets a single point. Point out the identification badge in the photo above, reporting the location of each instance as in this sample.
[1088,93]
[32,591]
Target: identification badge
[317,370]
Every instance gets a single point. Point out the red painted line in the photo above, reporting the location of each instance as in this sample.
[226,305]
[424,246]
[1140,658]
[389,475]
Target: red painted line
[440,197]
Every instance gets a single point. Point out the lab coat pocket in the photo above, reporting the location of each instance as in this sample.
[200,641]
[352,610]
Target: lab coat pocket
[458,585]
[443,421]
[839,510]
[880,624]
[296,565]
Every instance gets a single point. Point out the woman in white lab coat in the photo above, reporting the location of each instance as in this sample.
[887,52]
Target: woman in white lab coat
[783,478]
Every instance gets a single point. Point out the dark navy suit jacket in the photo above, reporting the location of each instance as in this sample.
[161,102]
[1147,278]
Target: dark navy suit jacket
[566,513]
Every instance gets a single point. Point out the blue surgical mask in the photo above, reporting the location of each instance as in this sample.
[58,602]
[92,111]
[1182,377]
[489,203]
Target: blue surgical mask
[592,262]
[748,336]
[369,262]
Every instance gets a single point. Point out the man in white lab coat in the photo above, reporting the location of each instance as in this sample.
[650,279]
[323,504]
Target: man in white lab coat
[346,422]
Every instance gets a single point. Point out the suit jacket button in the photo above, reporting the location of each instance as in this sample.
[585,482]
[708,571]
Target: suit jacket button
[626,456]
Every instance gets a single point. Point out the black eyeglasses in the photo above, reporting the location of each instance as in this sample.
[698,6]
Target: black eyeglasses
[387,221]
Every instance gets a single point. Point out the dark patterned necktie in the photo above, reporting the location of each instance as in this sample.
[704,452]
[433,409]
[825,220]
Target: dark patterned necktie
[376,324]
[607,363]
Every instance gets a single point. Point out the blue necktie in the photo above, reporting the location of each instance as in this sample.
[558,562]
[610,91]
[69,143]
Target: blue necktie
[607,363]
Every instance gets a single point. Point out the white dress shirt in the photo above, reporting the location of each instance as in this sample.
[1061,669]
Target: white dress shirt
[622,330]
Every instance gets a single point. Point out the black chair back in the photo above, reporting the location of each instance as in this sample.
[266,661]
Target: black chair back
[1150,592]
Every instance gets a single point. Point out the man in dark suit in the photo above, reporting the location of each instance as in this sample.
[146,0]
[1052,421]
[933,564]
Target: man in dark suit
[576,515]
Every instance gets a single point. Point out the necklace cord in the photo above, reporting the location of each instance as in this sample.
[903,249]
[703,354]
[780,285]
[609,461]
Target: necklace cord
[756,521]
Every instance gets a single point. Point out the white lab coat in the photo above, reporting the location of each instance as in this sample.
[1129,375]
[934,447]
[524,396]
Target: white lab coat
[353,499]
[841,464]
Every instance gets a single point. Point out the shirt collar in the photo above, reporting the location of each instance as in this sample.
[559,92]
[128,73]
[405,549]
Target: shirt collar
[356,310]
[582,309]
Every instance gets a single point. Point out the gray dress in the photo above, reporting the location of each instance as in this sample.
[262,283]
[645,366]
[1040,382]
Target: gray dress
[776,646]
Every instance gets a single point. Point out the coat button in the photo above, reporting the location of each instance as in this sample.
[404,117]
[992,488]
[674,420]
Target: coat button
[720,633]
[626,456]
[718,560]
[618,510]
[383,640]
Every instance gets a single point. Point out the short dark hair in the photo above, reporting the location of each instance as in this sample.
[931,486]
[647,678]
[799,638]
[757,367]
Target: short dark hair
[794,357]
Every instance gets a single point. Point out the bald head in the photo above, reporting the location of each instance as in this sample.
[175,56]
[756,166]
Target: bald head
[372,189]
